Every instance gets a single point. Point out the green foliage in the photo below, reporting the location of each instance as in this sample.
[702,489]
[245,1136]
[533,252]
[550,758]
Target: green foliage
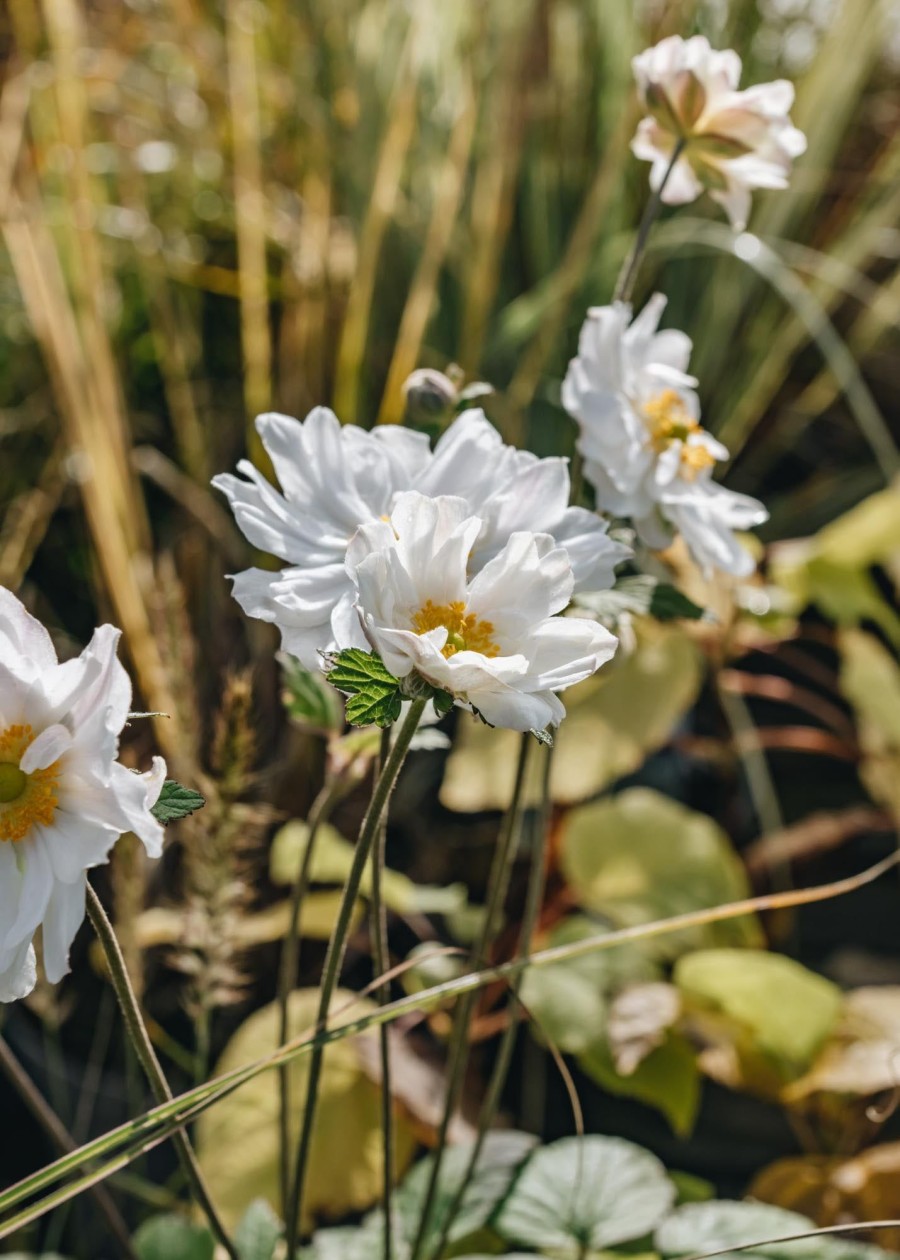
[172,1237]
[176,801]
[641,595]
[581,1193]
[257,1235]
[308,697]
[697,1228]
[375,696]
[667,1078]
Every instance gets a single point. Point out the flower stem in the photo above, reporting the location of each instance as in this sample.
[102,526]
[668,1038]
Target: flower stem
[498,884]
[534,897]
[336,949]
[628,274]
[381,962]
[321,810]
[137,1031]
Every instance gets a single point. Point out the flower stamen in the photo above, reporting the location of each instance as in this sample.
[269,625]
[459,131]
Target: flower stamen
[465,633]
[669,420]
[25,799]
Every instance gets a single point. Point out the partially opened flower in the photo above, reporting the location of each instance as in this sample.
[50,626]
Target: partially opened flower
[732,141]
[336,478]
[645,451]
[64,798]
[491,640]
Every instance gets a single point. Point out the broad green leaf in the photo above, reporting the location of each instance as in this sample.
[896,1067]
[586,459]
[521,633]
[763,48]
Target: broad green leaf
[374,693]
[613,721]
[238,1139]
[173,1237]
[570,1000]
[581,1193]
[668,1079]
[308,697]
[788,1010]
[501,1157]
[176,801]
[256,1237]
[331,864]
[641,856]
[700,1227]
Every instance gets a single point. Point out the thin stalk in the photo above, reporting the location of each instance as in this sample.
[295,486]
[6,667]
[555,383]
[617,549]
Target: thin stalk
[336,949]
[534,897]
[381,962]
[628,274]
[287,972]
[62,1139]
[140,1039]
[457,1058]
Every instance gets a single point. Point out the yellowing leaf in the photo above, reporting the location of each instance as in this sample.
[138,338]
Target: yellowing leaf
[614,720]
[640,856]
[788,1010]
[238,1138]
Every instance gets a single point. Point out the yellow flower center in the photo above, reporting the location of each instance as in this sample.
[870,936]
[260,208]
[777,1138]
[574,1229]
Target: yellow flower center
[669,420]
[465,633]
[25,799]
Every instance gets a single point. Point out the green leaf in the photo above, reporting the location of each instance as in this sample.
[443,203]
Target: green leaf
[640,856]
[176,801]
[788,1010]
[171,1237]
[586,1193]
[501,1157]
[375,695]
[256,1237]
[696,1228]
[667,1079]
[641,594]
[308,697]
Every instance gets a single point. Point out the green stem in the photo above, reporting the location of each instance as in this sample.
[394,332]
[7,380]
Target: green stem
[62,1139]
[321,810]
[457,1056]
[381,962]
[143,1047]
[336,949]
[628,274]
[534,898]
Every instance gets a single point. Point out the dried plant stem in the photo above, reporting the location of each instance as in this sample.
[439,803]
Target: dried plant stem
[287,973]
[457,1058]
[381,963]
[140,1038]
[336,949]
[534,897]
[62,1139]
[628,274]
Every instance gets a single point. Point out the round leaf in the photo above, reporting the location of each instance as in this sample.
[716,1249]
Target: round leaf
[640,856]
[172,1237]
[697,1228]
[586,1193]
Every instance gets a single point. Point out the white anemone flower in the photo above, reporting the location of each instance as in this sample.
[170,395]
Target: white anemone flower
[64,798]
[493,640]
[732,141]
[335,478]
[645,451]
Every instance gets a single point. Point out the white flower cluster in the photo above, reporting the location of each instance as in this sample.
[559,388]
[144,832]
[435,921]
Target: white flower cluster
[644,449]
[451,562]
[64,798]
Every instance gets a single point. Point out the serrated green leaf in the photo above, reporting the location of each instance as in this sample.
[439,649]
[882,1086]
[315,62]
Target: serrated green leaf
[256,1237]
[176,801]
[375,696]
[171,1237]
[667,603]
